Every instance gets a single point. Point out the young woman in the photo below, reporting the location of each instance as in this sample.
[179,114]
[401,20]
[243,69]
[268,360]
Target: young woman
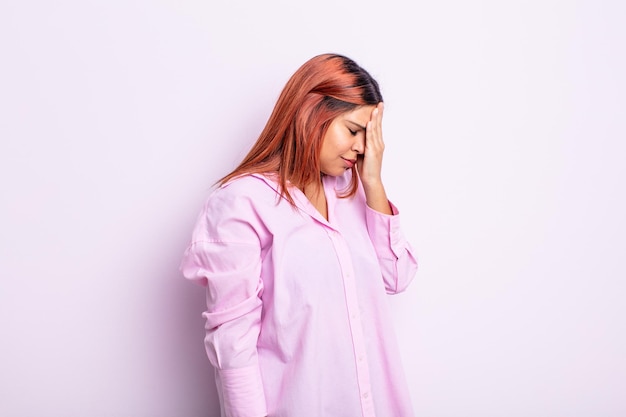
[297,249]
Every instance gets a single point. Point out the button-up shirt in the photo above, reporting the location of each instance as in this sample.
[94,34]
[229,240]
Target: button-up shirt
[297,319]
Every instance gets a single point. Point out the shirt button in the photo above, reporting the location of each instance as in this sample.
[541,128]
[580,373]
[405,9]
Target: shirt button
[366,395]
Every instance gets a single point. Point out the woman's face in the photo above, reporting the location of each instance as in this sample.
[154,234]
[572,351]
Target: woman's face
[344,140]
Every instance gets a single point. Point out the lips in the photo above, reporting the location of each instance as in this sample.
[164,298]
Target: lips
[349,162]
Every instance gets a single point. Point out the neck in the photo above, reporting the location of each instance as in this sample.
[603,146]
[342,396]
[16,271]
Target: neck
[313,187]
[314,191]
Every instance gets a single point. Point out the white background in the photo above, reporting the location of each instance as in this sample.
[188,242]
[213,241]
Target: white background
[506,147]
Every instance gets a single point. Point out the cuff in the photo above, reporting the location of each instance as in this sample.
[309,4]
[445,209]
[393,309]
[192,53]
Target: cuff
[242,392]
[385,233]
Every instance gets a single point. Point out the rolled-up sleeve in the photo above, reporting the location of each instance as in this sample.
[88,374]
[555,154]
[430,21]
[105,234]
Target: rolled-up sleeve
[225,257]
[395,254]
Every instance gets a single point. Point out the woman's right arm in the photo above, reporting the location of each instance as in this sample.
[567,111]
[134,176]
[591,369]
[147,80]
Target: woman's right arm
[225,257]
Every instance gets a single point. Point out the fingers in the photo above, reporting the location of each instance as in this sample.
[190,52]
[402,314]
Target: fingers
[374,130]
[370,163]
[378,114]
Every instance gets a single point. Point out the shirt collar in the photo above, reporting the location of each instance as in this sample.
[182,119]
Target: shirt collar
[302,202]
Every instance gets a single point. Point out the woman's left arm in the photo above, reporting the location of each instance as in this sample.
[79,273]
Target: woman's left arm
[395,255]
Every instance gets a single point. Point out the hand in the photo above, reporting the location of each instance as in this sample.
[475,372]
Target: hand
[369,164]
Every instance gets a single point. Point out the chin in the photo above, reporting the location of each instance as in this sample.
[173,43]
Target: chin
[338,172]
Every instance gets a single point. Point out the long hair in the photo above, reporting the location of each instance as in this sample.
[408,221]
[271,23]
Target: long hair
[289,146]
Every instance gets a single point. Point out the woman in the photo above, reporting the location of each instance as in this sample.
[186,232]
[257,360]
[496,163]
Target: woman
[297,248]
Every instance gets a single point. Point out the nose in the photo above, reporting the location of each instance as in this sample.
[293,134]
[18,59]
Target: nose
[359,144]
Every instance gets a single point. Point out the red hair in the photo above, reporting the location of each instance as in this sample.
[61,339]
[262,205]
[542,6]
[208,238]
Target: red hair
[289,146]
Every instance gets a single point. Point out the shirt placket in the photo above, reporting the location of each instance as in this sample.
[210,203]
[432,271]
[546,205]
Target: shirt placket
[354,319]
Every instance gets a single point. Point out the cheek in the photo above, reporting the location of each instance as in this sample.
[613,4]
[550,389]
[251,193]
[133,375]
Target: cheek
[337,141]
[339,146]
[346,142]
[330,143]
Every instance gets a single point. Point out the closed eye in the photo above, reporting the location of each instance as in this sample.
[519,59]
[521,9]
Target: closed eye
[354,127]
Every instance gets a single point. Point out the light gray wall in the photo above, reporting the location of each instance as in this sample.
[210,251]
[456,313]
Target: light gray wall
[505,140]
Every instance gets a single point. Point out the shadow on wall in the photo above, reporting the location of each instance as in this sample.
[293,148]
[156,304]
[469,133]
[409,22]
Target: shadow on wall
[197,373]
[185,376]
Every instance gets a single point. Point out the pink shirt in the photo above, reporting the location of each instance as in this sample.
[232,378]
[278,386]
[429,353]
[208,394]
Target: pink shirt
[297,321]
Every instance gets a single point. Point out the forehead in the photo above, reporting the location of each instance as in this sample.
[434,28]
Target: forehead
[360,115]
